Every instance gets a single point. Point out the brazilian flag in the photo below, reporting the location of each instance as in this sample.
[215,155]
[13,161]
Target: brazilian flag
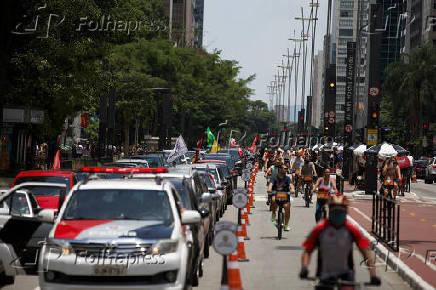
[210,137]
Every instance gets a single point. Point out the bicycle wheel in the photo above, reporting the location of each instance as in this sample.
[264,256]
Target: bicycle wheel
[280,223]
[306,196]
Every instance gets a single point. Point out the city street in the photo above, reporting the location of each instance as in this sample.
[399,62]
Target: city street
[273,264]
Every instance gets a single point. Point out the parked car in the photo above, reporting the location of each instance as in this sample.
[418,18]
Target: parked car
[48,199]
[430,171]
[24,226]
[228,177]
[121,219]
[200,231]
[218,178]
[231,164]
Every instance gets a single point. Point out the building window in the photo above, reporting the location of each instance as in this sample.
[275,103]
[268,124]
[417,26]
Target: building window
[346,22]
[347,4]
[345,32]
[342,50]
[347,13]
[343,41]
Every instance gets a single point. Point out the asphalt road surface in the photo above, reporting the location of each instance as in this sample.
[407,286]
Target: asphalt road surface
[424,191]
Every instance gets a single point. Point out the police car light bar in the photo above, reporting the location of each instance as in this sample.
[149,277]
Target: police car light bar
[123,170]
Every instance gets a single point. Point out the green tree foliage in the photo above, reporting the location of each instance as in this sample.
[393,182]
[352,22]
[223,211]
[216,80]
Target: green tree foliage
[409,95]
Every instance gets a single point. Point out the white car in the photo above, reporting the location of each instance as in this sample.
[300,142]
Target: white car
[118,234]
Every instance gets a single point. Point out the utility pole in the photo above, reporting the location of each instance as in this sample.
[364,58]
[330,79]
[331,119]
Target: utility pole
[290,67]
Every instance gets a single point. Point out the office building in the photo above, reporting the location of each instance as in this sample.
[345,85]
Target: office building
[184,21]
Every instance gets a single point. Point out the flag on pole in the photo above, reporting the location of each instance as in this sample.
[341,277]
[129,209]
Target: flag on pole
[210,137]
[240,151]
[197,151]
[253,146]
[214,147]
[57,160]
[179,149]
[233,142]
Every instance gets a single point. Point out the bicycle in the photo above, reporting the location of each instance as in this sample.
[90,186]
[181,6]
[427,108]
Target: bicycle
[308,180]
[336,283]
[322,198]
[281,198]
[297,182]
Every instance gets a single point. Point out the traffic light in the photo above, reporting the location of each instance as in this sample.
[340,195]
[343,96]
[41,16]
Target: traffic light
[374,114]
[426,127]
[301,121]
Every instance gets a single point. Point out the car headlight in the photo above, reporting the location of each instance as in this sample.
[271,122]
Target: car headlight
[60,247]
[165,247]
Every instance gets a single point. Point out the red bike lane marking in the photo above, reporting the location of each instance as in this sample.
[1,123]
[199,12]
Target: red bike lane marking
[417,234]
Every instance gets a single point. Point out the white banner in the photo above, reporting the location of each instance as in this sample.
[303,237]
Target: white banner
[179,149]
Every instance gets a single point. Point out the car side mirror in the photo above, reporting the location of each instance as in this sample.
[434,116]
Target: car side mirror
[204,212]
[212,189]
[190,217]
[206,197]
[46,216]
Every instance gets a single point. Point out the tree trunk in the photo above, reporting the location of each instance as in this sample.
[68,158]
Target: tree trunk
[126,138]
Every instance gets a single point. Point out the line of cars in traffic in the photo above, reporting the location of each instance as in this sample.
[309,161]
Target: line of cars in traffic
[123,225]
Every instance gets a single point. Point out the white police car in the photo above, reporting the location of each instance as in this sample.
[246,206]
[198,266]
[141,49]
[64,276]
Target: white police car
[118,234]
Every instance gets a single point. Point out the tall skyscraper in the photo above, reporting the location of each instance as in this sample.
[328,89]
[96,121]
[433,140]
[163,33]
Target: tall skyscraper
[420,24]
[187,24]
[348,25]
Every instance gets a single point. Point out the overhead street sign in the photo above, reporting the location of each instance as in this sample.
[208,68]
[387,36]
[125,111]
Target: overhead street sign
[331,120]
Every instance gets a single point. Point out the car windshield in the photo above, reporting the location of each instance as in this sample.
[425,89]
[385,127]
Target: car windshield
[119,204]
[153,161]
[209,170]
[48,179]
[45,190]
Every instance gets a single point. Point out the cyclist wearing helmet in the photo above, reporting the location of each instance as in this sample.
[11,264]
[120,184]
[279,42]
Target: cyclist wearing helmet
[325,186]
[282,182]
[334,238]
[308,172]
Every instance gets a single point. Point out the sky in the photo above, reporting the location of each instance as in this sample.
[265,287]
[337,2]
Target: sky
[255,33]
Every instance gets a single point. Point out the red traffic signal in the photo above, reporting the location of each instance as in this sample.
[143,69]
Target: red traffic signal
[425,126]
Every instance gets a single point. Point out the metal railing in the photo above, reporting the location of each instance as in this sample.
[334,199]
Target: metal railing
[386,220]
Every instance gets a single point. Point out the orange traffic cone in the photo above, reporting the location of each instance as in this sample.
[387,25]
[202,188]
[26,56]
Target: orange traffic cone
[414,177]
[241,246]
[244,229]
[233,273]
[245,215]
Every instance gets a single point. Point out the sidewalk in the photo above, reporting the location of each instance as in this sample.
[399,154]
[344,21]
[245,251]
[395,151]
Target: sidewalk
[275,264]
[417,233]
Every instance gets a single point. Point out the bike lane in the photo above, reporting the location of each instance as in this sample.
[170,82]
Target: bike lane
[417,232]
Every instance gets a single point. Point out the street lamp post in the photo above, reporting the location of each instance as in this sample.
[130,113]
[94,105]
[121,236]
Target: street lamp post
[219,131]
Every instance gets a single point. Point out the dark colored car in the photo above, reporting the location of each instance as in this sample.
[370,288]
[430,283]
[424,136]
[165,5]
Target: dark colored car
[420,167]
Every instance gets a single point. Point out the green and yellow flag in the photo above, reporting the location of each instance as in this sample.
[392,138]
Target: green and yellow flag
[210,137]
[214,147]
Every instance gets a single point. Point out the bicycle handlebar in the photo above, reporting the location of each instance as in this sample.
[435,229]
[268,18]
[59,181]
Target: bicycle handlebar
[340,282]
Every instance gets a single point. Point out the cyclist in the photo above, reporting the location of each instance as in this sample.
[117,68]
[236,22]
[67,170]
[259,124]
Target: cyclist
[269,160]
[296,165]
[391,175]
[282,182]
[325,186]
[308,172]
[271,173]
[334,238]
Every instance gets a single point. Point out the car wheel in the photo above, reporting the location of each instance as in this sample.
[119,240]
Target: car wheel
[206,248]
[194,278]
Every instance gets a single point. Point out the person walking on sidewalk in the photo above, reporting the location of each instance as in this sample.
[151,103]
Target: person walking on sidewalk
[334,238]
[283,183]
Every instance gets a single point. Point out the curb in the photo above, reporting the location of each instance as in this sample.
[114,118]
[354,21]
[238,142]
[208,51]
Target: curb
[405,272]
